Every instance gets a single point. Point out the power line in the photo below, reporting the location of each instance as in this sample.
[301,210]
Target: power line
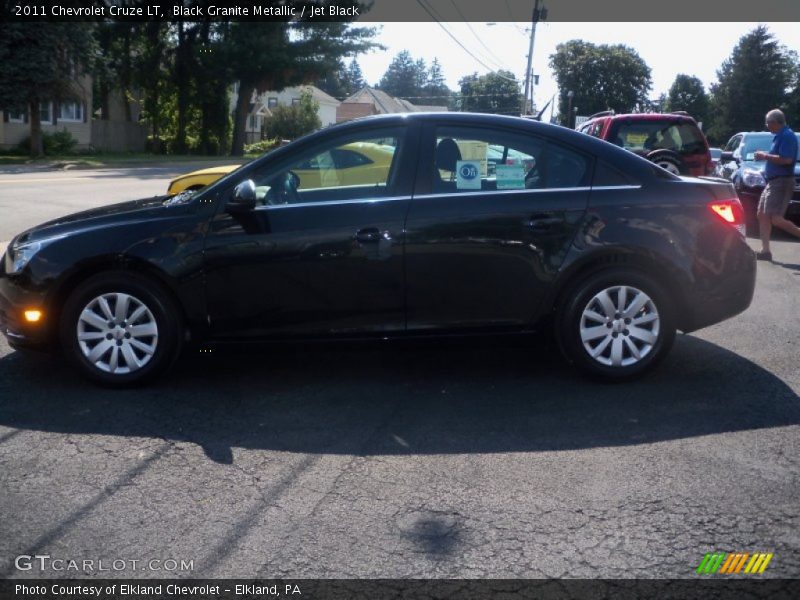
[463,47]
[494,59]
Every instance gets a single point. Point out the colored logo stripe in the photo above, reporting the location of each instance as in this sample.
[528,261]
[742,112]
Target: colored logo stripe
[727,563]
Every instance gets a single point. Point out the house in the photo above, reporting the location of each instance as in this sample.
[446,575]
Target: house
[261,105]
[369,101]
[72,114]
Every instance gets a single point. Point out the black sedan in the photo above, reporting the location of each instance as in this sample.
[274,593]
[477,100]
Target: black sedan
[474,224]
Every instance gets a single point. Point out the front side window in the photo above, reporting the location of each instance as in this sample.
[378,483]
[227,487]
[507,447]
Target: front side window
[733,143]
[356,168]
[272,102]
[474,160]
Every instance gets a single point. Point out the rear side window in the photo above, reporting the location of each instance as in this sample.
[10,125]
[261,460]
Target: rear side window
[644,137]
[607,176]
[471,159]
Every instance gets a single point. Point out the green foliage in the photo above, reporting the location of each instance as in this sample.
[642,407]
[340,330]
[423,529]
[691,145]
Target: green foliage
[275,55]
[756,77]
[601,76]
[409,78]
[687,93]
[497,92]
[58,143]
[405,77]
[38,62]
[291,122]
[262,146]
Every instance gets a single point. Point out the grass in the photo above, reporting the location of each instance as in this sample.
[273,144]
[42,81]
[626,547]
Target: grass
[112,159]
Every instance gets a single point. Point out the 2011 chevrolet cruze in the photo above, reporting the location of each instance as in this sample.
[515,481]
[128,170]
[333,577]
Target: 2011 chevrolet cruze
[480,224]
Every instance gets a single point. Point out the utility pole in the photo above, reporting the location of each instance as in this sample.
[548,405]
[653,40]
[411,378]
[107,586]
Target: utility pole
[538,15]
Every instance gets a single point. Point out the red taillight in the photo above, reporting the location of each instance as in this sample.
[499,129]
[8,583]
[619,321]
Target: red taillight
[730,211]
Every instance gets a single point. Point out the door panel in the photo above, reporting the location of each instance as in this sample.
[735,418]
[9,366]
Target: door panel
[299,270]
[482,249]
[323,255]
[485,260]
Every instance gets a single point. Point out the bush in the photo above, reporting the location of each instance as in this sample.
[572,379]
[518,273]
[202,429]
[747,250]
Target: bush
[291,122]
[59,142]
[262,146]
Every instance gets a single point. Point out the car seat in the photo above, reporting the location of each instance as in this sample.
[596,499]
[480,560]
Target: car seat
[447,156]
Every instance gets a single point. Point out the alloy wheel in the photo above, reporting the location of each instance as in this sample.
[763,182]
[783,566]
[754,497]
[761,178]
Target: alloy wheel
[619,326]
[117,333]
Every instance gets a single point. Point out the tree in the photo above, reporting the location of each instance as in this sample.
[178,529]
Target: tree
[601,76]
[435,87]
[754,79]
[405,78]
[274,55]
[291,122]
[354,78]
[687,93]
[496,92]
[41,62]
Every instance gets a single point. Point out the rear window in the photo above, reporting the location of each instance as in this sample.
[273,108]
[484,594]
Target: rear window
[643,137]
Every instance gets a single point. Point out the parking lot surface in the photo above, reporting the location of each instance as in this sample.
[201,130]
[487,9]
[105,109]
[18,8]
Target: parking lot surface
[479,458]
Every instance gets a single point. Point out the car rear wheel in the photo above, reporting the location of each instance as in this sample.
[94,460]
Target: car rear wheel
[616,324]
[120,329]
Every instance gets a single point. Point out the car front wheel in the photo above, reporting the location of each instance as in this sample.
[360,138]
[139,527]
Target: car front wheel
[120,329]
[616,324]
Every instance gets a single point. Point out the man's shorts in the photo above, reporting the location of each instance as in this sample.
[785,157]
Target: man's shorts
[776,196]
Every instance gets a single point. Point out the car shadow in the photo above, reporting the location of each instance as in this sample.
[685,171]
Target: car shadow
[402,398]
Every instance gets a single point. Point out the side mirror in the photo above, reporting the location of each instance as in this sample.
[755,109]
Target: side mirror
[727,157]
[244,197]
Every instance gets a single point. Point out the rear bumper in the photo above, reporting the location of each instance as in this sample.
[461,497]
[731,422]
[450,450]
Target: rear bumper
[721,289]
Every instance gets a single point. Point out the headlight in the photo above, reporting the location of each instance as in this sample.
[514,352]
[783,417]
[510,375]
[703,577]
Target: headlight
[18,256]
[751,178]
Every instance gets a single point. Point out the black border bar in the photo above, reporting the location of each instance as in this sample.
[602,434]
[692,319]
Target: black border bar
[385,11]
[701,588]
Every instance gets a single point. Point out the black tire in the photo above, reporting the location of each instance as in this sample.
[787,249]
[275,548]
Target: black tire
[571,318]
[159,309]
[668,160]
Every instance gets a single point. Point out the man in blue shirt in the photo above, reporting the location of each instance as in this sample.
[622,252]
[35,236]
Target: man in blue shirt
[779,174]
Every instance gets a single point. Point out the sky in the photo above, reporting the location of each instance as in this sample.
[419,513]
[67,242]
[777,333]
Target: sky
[696,49]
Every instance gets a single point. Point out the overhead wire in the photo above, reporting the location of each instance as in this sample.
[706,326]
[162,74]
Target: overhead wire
[424,6]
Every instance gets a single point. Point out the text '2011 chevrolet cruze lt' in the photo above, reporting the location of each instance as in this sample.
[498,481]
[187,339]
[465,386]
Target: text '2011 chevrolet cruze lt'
[387,227]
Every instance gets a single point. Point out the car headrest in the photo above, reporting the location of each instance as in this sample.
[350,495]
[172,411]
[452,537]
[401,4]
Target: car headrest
[447,155]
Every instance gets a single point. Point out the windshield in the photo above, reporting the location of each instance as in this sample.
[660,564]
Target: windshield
[763,142]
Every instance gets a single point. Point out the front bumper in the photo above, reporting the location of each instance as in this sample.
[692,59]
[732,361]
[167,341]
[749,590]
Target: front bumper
[14,301]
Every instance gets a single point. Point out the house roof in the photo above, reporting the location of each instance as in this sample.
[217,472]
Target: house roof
[386,104]
[319,95]
[347,111]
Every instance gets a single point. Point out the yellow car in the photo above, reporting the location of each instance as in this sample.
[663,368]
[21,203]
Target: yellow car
[351,164]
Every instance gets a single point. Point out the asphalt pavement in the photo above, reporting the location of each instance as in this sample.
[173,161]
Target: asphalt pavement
[481,458]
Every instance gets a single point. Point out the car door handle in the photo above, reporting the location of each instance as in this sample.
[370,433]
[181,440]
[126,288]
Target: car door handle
[370,235]
[544,222]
